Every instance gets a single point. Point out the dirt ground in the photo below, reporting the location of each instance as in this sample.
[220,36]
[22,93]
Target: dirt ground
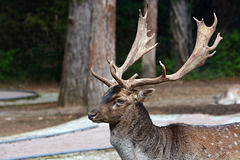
[170,98]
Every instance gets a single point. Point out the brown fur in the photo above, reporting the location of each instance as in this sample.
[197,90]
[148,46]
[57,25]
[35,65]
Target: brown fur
[135,137]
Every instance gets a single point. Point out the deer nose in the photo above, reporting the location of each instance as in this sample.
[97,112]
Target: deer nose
[92,114]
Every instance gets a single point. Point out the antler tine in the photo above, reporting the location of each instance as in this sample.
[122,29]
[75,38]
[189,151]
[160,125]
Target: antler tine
[139,47]
[149,81]
[201,50]
[102,79]
[198,57]
[118,79]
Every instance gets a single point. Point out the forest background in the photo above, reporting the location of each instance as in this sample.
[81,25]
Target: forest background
[33,35]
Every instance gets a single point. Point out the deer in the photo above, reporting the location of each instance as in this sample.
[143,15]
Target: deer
[132,132]
[232,96]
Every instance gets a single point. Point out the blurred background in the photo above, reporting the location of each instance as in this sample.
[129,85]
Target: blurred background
[33,37]
[49,46]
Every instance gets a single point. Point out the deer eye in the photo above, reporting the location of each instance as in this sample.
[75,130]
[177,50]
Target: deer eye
[120,101]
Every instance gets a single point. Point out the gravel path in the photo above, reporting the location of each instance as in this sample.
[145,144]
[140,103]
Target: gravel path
[97,137]
[43,98]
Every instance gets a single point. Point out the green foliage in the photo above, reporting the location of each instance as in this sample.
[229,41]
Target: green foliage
[38,29]
[228,59]
[169,63]
[16,65]
[6,63]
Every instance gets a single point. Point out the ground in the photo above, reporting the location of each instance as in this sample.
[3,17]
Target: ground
[170,98]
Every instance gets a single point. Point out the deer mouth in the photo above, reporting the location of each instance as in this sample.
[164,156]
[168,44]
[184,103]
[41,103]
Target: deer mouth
[99,121]
[96,120]
[94,117]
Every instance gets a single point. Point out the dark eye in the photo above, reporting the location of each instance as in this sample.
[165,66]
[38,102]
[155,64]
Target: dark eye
[120,101]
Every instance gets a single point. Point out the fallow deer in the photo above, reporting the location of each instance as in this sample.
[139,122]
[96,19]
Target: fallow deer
[232,96]
[133,133]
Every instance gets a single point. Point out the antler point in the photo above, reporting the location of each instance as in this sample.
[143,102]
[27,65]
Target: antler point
[112,64]
[151,37]
[146,13]
[210,55]
[91,70]
[219,36]
[163,69]
[108,60]
[140,13]
[197,21]
[162,65]
[134,76]
[215,16]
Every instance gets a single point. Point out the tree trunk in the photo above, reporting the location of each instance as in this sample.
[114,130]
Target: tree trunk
[90,39]
[149,59]
[75,66]
[180,21]
[101,47]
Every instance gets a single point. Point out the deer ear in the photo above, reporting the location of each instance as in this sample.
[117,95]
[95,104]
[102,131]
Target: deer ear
[144,95]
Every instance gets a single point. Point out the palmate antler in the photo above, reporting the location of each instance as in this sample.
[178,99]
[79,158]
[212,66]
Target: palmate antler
[198,57]
[139,48]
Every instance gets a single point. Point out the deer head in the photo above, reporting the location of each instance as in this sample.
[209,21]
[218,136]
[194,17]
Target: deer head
[116,102]
[122,93]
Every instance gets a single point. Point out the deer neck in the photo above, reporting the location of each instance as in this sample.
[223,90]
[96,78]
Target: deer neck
[135,118]
[135,134]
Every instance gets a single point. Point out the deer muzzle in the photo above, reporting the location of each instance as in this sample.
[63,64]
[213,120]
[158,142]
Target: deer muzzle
[92,114]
